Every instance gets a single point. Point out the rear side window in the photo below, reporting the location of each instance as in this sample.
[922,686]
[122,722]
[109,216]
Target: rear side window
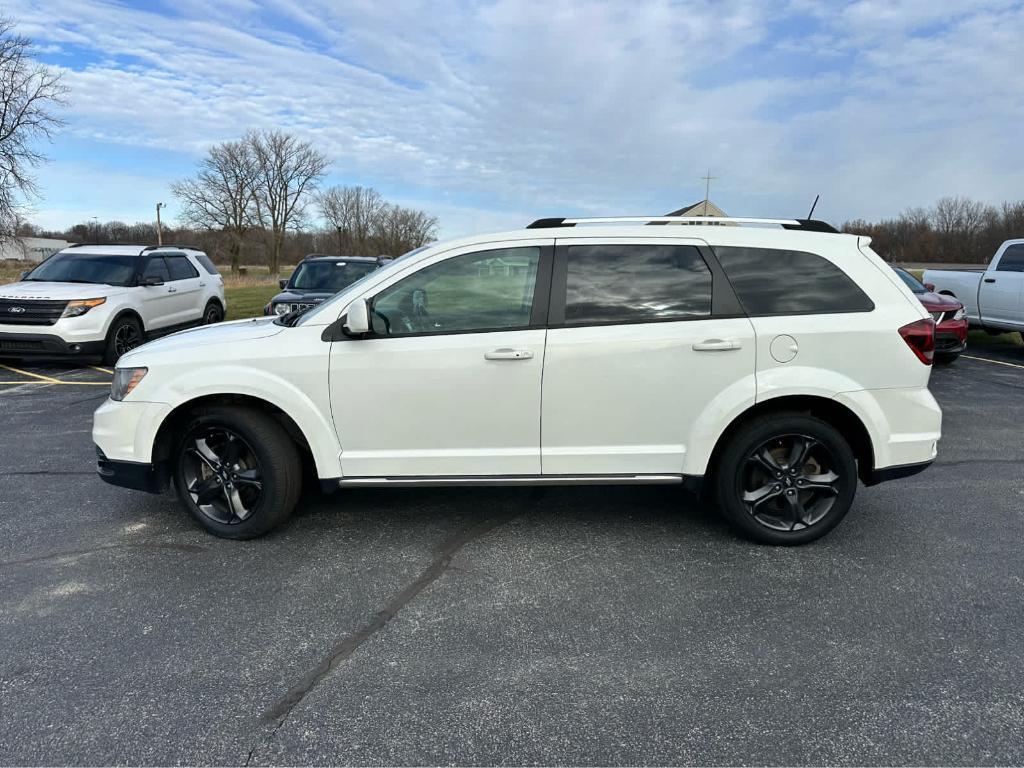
[635,283]
[770,281]
[1012,259]
[208,265]
[180,268]
[156,268]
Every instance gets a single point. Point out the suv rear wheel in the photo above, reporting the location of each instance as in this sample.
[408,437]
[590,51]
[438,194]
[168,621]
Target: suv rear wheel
[786,479]
[213,313]
[237,471]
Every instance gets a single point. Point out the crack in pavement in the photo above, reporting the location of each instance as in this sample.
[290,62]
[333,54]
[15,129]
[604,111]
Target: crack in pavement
[278,712]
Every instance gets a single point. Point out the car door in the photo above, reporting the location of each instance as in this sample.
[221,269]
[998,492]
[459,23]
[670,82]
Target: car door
[158,301]
[1001,296]
[644,334]
[449,381]
[185,286]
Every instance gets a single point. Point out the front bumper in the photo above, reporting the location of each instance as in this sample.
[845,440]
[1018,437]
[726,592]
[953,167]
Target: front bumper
[46,345]
[130,474]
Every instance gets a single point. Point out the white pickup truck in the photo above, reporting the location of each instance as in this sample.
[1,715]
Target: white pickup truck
[993,297]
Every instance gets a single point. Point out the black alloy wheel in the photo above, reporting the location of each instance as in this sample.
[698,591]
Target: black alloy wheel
[222,475]
[214,314]
[789,483]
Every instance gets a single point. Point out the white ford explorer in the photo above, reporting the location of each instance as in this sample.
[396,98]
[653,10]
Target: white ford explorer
[103,300]
[768,368]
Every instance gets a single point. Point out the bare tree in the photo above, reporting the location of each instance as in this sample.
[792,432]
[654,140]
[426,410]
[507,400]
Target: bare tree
[287,173]
[352,212]
[222,196]
[28,93]
[399,229]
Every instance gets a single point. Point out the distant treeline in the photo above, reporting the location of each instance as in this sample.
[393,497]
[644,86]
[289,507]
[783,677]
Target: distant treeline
[954,230]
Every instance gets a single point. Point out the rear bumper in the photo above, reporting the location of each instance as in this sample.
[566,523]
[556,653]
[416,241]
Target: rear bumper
[129,474]
[46,345]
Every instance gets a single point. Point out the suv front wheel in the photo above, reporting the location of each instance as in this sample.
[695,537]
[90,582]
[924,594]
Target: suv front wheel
[237,471]
[786,479]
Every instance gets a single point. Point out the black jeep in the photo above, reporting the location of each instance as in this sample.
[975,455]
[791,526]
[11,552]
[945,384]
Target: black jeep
[317,278]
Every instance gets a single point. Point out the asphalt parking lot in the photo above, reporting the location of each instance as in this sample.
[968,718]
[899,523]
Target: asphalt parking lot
[569,626]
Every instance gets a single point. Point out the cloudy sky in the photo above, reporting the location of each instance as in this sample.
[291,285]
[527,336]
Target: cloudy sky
[491,114]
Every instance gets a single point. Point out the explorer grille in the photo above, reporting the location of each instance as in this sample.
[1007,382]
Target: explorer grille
[30,311]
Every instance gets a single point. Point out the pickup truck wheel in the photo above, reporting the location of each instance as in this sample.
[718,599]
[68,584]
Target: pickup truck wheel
[124,336]
[213,313]
[237,471]
[786,479]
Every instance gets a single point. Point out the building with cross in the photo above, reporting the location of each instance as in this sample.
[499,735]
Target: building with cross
[701,208]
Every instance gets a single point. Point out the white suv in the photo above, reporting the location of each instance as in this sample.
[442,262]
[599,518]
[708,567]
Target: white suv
[769,368]
[107,299]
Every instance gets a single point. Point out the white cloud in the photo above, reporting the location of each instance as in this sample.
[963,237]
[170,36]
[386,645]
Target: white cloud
[548,108]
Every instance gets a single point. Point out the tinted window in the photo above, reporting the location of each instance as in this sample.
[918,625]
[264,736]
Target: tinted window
[329,276]
[180,268]
[635,283]
[489,290]
[208,265]
[1012,259]
[912,282]
[96,268]
[156,268]
[776,282]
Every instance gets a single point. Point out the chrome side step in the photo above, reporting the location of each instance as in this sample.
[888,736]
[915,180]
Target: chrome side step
[498,480]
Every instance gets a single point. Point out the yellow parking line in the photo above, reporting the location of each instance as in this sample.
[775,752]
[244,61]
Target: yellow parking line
[65,383]
[997,362]
[102,370]
[47,379]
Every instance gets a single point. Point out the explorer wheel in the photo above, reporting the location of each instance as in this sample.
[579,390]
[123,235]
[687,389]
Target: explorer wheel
[786,479]
[213,313]
[123,337]
[237,472]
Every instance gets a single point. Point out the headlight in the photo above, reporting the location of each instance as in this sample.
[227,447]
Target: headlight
[80,307]
[282,309]
[125,380]
[960,314]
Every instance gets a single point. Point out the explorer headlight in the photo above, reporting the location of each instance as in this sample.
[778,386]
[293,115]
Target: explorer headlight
[125,380]
[81,306]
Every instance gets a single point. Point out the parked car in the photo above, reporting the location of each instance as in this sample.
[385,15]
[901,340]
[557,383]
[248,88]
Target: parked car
[105,300]
[949,316]
[316,279]
[769,369]
[992,297]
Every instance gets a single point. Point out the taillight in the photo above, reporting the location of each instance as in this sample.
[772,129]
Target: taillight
[920,337]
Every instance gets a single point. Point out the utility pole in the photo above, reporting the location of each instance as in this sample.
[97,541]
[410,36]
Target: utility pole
[707,189]
[159,231]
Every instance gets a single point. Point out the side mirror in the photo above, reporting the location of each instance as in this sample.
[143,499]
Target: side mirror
[152,280]
[282,284]
[930,287]
[357,320]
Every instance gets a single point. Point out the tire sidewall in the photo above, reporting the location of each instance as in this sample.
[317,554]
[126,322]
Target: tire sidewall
[268,512]
[110,355]
[728,476]
[213,309]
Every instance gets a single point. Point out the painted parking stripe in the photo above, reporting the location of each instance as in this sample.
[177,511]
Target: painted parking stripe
[55,382]
[47,379]
[102,370]
[997,362]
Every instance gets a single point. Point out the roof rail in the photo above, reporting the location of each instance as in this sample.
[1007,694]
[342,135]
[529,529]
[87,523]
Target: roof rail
[808,225]
[180,247]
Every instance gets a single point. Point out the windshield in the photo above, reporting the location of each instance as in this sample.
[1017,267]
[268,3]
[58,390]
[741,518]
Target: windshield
[912,282]
[98,268]
[388,267]
[329,276]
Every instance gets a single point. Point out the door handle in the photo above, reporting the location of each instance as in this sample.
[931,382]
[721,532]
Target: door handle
[990,279]
[202,285]
[172,290]
[717,345]
[508,354]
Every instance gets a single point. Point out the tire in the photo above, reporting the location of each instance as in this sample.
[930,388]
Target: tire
[124,335]
[214,313]
[244,478]
[945,358]
[755,466]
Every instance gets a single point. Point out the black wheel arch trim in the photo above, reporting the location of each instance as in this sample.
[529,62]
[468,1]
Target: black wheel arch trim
[897,472]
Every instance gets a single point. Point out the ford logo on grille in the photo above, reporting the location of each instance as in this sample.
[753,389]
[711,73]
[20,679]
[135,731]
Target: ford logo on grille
[16,310]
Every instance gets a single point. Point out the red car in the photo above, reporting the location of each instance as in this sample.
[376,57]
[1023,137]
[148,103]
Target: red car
[948,313]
